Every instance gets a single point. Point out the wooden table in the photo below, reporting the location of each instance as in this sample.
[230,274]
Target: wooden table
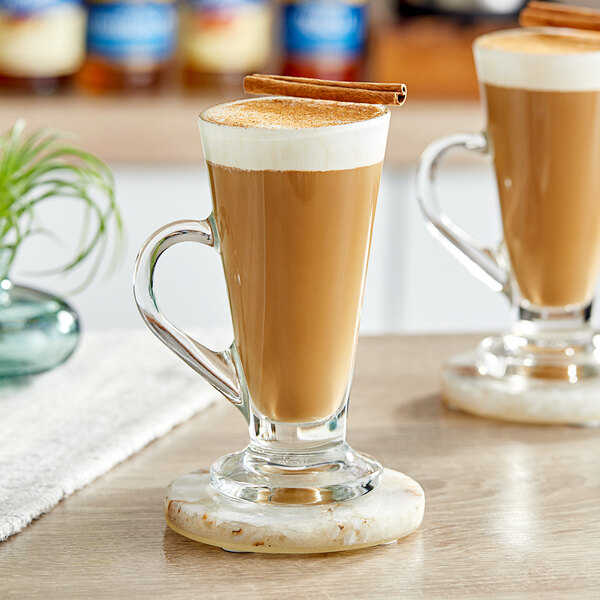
[512,511]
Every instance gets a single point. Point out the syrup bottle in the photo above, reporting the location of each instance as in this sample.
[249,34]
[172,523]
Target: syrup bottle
[324,38]
[42,43]
[129,44]
[223,41]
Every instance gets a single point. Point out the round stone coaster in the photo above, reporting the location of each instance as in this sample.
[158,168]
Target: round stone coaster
[520,399]
[391,511]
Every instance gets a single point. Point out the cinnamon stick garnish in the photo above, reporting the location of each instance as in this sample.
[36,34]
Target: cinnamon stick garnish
[321,89]
[546,14]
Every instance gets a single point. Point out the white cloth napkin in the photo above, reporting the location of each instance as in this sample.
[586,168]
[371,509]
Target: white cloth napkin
[62,429]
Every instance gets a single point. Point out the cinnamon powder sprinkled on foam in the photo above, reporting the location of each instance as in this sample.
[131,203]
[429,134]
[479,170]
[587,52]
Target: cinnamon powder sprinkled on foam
[542,43]
[284,113]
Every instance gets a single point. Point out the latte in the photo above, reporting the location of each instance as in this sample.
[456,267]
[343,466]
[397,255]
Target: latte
[294,211]
[543,98]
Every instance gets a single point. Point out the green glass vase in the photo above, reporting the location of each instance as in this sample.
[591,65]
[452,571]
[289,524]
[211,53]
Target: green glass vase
[38,331]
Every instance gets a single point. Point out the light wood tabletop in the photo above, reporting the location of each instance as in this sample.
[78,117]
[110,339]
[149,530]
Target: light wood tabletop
[513,511]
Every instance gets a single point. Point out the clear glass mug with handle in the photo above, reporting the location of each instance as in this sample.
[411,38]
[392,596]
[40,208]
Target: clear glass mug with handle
[292,218]
[541,89]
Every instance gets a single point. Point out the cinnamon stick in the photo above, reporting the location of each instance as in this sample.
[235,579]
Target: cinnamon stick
[546,14]
[321,89]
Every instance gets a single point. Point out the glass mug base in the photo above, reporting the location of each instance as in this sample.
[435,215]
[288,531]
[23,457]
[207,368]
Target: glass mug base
[544,343]
[287,463]
[566,358]
[327,475]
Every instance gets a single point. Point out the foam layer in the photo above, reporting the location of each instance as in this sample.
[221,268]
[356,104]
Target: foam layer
[544,59]
[280,134]
[290,113]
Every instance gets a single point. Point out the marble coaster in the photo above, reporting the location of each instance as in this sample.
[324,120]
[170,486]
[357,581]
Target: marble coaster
[386,514]
[517,398]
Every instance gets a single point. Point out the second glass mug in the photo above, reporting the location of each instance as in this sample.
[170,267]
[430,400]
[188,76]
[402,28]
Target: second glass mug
[543,136]
[292,219]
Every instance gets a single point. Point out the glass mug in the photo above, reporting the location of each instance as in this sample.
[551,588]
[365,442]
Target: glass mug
[541,88]
[292,219]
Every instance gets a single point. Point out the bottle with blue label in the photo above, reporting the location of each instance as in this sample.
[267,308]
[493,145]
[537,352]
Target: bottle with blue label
[42,43]
[324,38]
[129,43]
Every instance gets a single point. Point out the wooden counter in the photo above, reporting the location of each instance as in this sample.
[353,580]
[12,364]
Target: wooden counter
[512,511]
[162,128]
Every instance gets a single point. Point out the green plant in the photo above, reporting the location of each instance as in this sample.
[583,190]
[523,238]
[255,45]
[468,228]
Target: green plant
[43,166]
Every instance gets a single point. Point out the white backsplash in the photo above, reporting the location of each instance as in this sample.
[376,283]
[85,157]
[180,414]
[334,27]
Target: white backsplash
[413,285]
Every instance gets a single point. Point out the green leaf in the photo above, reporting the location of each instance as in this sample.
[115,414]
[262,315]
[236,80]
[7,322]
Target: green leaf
[43,166]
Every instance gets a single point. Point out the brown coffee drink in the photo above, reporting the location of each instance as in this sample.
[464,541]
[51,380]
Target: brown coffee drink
[295,223]
[544,129]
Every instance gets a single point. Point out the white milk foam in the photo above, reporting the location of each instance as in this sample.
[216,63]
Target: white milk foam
[560,71]
[330,148]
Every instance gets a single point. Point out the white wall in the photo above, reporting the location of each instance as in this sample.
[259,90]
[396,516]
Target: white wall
[413,285]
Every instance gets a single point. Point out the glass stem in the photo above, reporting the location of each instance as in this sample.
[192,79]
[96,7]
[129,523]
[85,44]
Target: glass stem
[297,443]
[544,324]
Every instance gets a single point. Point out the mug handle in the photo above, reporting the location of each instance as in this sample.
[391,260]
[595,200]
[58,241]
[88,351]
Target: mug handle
[220,369]
[485,263]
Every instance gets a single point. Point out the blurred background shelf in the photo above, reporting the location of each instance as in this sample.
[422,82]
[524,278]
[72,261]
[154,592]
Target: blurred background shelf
[161,128]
